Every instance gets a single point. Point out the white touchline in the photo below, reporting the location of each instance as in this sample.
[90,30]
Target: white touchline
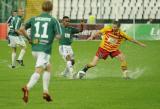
[3,61]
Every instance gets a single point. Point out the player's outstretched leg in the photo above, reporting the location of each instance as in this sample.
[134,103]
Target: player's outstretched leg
[124,66]
[82,72]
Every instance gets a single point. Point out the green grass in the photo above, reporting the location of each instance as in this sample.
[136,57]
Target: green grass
[102,89]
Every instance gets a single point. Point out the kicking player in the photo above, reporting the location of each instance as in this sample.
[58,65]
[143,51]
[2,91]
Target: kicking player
[112,39]
[15,38]
[65,48]
[44,29]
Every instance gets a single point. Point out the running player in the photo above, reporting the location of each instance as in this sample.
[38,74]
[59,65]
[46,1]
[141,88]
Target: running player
[44,29]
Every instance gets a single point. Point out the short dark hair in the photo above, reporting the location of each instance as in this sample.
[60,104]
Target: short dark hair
[14,11]
[47,6]
[65,17]
[116,23]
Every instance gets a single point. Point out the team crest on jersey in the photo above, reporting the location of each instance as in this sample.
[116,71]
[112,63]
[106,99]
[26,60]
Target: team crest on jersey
[67,35]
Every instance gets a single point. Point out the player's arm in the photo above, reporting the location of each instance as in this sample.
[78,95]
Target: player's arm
[97,34]
[100,32]
[24,33]
[57,29]
[24,28]
[81,26]
[58,36]
[138,42]
[133,40]
[78,30]
[19,32]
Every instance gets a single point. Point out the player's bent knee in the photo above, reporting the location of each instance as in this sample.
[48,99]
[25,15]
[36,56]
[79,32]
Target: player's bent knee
[68,58]
[39,69]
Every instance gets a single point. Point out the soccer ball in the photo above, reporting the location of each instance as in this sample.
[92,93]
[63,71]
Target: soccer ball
[81,74]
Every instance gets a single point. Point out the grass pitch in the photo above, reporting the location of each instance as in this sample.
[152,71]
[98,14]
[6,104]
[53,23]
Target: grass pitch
[103,87]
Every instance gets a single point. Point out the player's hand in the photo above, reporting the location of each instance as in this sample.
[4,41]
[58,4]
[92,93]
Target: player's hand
[143,45]
[90,38]
[82,22]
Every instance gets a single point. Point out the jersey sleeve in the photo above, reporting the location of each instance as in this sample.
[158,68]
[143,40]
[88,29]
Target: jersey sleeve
[9,19]
[28,24]
[106,28]
[127,37]
[74,30]
[57,28]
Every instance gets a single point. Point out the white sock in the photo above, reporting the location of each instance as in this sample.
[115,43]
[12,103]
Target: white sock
[70,68]
[13,59]
[33,80]
[66,70]
[20,57]
[125,73]
[69,65]
[46,79]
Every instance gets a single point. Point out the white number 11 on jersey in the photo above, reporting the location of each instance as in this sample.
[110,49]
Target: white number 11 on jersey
[45,27]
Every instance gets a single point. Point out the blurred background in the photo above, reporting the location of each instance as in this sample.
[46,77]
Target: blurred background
[139,18]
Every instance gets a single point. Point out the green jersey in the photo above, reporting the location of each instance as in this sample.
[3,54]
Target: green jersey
[67,35]
[43,31]
[15,25]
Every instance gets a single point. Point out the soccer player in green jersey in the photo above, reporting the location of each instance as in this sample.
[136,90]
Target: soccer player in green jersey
[16,38]
[44,28]
[65,42]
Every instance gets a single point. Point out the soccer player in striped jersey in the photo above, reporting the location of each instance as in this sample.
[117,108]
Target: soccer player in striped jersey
[44,28]
[16,38]
[9,20]
[112,37]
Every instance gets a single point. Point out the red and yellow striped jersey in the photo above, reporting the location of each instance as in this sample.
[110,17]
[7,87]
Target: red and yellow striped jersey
[110,40]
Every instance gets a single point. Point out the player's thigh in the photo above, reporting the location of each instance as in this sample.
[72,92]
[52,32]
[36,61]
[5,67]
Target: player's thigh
[61,52]
[70,52]
[20,41]
[121,57]
[64,51]
[12,41]
[43,59]
[35,54]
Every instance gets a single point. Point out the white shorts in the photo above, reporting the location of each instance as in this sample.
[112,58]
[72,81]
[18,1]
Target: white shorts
[42,59]
[65,50]
[16,40]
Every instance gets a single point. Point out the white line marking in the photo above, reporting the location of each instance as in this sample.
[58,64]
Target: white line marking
[3,61]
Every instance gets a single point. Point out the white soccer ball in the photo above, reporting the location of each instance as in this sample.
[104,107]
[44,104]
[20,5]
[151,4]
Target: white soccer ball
[81,74]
